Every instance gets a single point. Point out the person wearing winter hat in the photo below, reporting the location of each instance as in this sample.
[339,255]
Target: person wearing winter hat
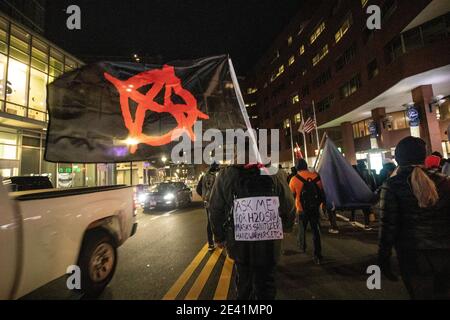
[415,206]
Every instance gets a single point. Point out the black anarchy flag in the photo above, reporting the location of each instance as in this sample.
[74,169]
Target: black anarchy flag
[120,112]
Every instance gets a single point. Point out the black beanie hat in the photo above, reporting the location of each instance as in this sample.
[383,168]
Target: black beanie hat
[301,165]
[410,151]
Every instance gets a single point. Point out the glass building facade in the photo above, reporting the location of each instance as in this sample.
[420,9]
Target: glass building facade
[28,62]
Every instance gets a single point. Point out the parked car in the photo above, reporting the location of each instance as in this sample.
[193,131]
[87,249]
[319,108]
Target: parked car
[26,183]
[168,194]
[43,232]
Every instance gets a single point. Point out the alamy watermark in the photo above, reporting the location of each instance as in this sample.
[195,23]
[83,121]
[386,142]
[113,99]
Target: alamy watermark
[374,20]
[73,22]
[233,146]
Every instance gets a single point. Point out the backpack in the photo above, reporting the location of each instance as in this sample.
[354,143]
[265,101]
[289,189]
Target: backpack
[311,195]
[207,185]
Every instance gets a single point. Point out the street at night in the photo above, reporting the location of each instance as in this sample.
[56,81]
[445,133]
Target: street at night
[168,259]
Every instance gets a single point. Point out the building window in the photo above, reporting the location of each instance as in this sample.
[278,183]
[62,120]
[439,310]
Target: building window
[344,28]
[388,9]
[252,90]
[317,32]
[372,69]
[297,118]
[434,30]
[278,73]
[397,121]
[346,58]
[39,56]
[295,98]
[412,39]
[350,87]
[302,49]
[2,77]
[325,103]
[291,60]
[322,54]
[19,46]
[322,79]
[38,94]
[364,3]
[289,41]
[8,146]
[16,87]
[361,129]
[394,50]
[3,35]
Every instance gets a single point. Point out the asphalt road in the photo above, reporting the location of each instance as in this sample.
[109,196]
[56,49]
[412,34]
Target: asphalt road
[167,259]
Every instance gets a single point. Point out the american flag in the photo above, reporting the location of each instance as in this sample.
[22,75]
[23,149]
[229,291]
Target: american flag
[308,126]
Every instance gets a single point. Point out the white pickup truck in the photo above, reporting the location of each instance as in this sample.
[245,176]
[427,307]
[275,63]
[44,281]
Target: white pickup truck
[43,232]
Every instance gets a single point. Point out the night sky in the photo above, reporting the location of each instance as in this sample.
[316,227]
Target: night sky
[173,29]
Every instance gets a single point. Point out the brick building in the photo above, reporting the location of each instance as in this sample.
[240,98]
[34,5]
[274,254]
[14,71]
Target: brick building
[358,78]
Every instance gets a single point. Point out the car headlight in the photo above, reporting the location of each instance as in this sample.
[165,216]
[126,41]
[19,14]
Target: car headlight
[142,197]
[169,196]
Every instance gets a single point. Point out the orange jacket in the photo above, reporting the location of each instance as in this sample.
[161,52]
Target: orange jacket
[296,186]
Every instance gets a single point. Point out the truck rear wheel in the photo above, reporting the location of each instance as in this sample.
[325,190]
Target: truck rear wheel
[97,261]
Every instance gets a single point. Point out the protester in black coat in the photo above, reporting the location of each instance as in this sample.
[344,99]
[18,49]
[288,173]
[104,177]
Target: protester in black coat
[415,209]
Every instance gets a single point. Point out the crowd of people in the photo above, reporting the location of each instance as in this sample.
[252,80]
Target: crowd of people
[414,203]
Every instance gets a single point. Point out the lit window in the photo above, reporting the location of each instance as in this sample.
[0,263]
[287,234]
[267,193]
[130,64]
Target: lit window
[16,86]
[252,90]
[290,40]
[302,49]
[37,97]
[322,54]
[297,118]
[291,60]
[286,124]
[295,99]
[317,33]
[350,87]
[343,29]
[279,73]
[364,2]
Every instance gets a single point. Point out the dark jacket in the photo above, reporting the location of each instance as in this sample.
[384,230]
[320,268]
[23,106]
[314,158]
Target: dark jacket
[407,226]
[252,253]
[368,177]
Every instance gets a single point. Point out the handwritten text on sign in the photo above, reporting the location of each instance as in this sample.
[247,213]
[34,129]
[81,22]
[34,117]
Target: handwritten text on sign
[257,219]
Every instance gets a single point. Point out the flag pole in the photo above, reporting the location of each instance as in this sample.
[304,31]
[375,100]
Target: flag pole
[292,143]
[304,138]
[317,126]
[324,137]
[244,111]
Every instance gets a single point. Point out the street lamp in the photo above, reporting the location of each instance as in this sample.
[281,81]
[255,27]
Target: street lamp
[164,159]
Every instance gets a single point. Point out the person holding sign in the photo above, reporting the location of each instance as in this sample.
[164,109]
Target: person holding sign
[249,212]
[309,195]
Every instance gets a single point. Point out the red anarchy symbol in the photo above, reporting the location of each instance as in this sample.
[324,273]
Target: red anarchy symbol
[185,114]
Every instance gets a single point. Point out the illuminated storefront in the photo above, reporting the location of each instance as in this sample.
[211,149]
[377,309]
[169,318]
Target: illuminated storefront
[28,63]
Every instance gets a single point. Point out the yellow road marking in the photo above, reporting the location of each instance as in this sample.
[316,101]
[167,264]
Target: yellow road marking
[224,281]
[185,276]
[199,284]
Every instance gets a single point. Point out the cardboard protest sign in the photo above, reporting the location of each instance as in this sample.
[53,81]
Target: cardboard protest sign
[257,219]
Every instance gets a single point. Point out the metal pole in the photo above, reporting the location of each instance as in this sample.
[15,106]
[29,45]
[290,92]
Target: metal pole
[317,126]
[292,143]
[304,139]
[325,135]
